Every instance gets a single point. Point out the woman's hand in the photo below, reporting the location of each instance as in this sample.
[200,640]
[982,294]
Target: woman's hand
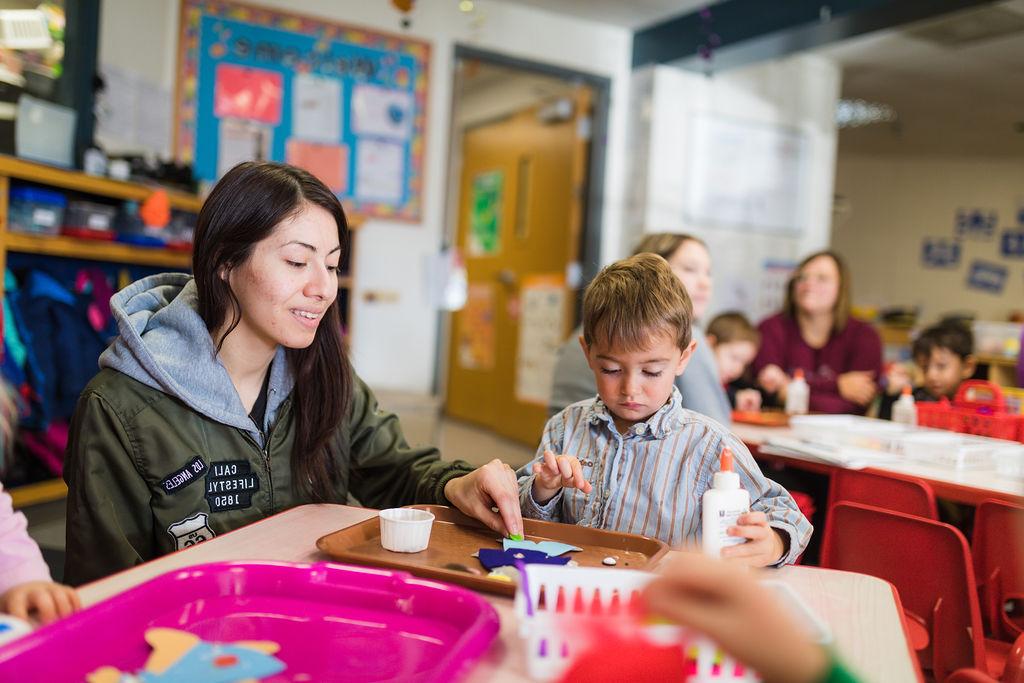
[857,386]
[556,472]
[725,603]
[772,378]
[764,544]
[748,400]
[45,601]
[494,484]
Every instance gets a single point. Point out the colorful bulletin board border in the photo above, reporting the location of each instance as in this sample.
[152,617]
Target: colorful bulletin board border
[347,103]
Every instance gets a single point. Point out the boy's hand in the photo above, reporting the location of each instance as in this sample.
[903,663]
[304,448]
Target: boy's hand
[748,400]
[555,473]
[764,544]
[45,600]
[896,378]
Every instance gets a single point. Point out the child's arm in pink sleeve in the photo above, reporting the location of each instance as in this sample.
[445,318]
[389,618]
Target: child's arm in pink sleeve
[20,559]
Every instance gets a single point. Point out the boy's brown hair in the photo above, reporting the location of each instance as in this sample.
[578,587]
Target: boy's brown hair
[733,326]
[634,299]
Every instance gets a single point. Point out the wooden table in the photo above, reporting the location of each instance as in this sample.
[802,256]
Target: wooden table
[963,486]
[861,610]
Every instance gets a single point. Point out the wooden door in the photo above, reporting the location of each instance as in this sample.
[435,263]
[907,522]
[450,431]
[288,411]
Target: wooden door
[520,219]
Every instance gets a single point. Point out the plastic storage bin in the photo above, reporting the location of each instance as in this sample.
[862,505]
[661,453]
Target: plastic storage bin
[978,408]
[90,220]
[36,210]
[997,338]
[331,622]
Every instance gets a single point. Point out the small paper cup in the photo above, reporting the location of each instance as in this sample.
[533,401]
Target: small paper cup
[405,530]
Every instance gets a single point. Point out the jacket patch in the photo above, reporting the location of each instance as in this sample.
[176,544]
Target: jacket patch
[191,530]
[230,485]
[179,479]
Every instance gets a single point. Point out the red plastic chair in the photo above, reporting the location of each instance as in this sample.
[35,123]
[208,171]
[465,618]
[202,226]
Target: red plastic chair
[929,564]
[998,549]
[895,492]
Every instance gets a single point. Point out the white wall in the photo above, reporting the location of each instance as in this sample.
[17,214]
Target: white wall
[893,202]
[798,93]
[394,342]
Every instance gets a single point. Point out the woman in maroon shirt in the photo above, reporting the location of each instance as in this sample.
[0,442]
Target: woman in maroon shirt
[841,357]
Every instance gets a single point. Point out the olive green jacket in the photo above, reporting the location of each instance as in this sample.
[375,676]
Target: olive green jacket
[147,475]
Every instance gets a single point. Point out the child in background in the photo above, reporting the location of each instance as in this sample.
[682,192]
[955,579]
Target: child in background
[734,342]
[944,353]
[632,459]
[25,585]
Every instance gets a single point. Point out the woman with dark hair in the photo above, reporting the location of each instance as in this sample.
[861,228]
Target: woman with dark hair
[228,396]
[841,357]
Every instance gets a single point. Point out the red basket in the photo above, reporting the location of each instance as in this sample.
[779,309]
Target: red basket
[978,408]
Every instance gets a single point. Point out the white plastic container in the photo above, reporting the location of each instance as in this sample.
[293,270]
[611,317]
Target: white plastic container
[405,530]
[721,505]
[904,411]
[798,394]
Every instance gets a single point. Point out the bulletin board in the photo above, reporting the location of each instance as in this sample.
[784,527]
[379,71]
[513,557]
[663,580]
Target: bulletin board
[345,103]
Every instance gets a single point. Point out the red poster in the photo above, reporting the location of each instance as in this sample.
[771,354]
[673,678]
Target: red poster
[329,163]
[245,93]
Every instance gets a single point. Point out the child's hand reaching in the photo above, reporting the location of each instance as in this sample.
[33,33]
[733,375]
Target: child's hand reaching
[728,605]
[45,601]
[896,377]
[764,544]
[556,472]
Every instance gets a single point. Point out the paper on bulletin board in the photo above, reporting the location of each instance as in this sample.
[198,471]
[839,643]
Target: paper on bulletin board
[380,170]
[940,252]
[987,277]
[328,162]
[382,112]
[241,141]
[975,223]
[1011,243]
[316,109]
[541,332]
[771,292]
[247,93]
[476,328]
[485,213]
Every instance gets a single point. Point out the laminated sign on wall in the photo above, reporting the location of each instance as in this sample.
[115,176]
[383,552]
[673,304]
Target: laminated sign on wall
[541,328]
[346,104]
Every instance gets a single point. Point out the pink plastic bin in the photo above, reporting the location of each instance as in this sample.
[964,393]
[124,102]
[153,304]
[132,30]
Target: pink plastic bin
[333,623]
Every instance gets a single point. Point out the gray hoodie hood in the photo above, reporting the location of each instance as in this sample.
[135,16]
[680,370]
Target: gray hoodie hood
[164,344]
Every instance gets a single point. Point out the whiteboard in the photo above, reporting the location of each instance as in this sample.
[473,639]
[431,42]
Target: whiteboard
[744,175]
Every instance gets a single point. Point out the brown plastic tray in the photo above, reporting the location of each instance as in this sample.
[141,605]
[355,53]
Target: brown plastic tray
[454,538]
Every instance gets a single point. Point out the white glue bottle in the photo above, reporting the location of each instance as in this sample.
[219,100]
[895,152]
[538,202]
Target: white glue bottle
[721,505]
[798,394]
[904,411]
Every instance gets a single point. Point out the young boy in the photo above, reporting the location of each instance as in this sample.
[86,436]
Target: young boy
[734,342]
[944,353]
[632,459]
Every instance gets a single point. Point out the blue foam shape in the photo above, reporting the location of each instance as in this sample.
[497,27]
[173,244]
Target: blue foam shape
[491,558]
[550,548]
